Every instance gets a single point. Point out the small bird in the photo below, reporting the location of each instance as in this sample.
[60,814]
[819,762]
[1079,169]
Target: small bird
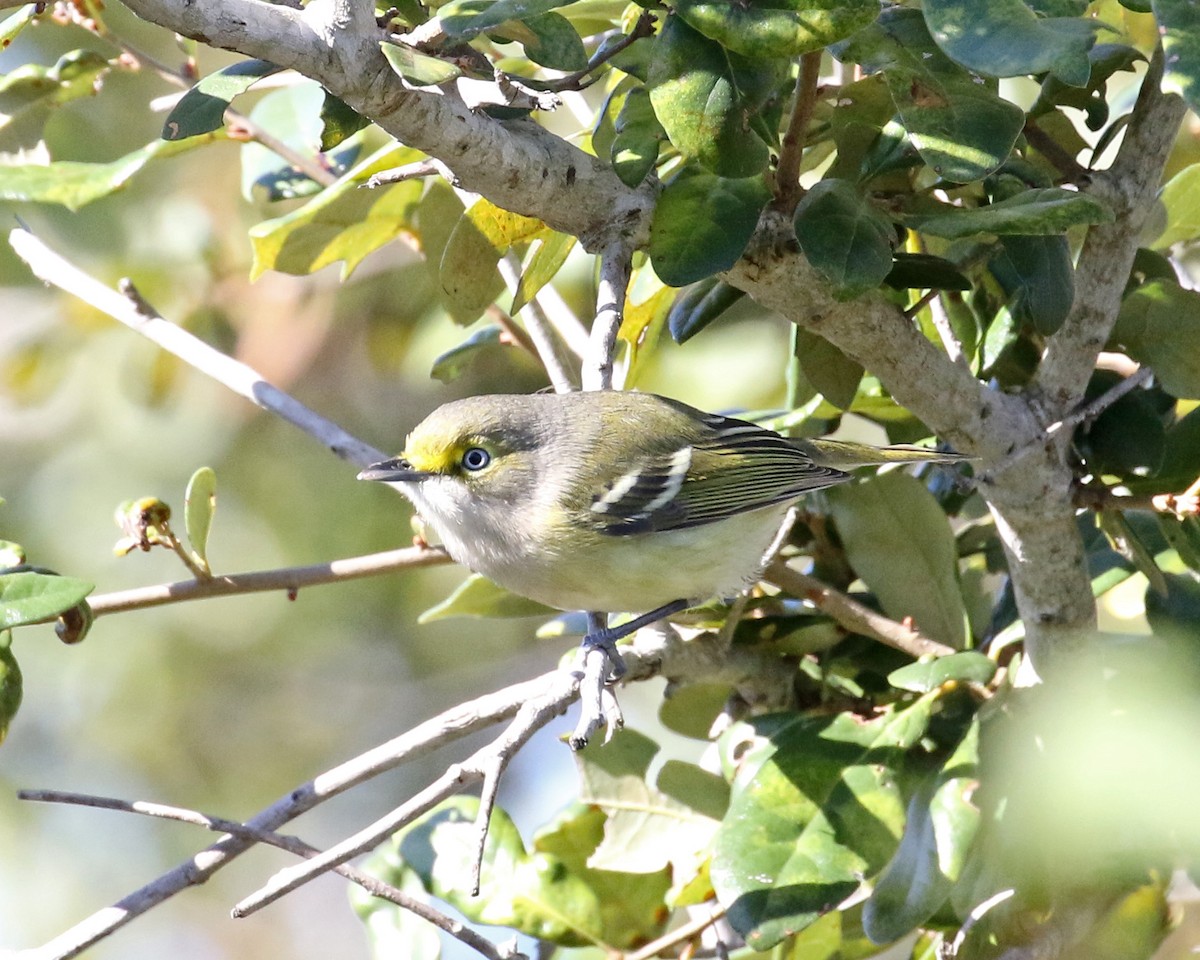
[611,501]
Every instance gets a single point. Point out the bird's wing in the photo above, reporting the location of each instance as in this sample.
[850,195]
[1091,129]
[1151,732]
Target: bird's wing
[728,467]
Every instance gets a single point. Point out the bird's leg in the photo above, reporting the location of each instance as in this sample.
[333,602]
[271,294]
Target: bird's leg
[603,637]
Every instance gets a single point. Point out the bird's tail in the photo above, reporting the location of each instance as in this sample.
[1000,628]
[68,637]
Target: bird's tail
[844,455]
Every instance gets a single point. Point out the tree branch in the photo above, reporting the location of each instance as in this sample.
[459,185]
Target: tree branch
[546,177]
[290,579]
[1102,270]
[130,310]
[787,174]
[852,615]
[616,265]
[373,885]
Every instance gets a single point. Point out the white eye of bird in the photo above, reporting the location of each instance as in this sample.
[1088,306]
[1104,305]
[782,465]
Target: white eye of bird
[476,458]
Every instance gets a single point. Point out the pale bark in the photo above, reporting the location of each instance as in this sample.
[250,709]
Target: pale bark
[525,168]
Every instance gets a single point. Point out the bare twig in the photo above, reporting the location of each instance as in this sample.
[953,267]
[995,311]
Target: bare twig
[373,885]
[1070,168]
[290,579]
[787,175]
[616,265]
[853,615]
[533,714]
[978,912]
[241,379]
[409,171]
[578,80]
[447,727]
[1129,185]
[243,128]
[941,322]
[548,347]
[1082,414]
[925,299]
[689,931]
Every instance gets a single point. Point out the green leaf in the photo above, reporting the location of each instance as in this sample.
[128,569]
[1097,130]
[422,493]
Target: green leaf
[1004,38]
[11,554]
[202,108]
[924,271]
[1039,212]
[1128,439]
[1159,325]
[637,135]
[418,68]
[648,829]
[1179,26]
[11,27]
[699,305]
[10,684]
[834,375]
[1180,197]
[1126,541]
[777,28]
[940,830]
[477,596]
[292,115]
[199,502]
[969,666]
[342,223]
[1180,465]
[961,128]
[338,121]
[897,539]
[631,904]
[705,97]
[28,597]
[535,894]
[817,812]
[1106,59]
[844,237]
[30,93]
[463,19]
[467,274]
[74,184]
[702,224]
[450,365]
[1039,277]
[549,40]
[549,253]
[691,710]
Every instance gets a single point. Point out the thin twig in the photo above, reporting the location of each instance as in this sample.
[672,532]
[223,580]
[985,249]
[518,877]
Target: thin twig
[941,322]
[241,379]
[1070,168]
[580,79]
[373,885]
[853,615]
[787,174]
[689,931]
[531,717]
[1081,414]
[978,912]
[447,727]
[243,128]
[409,171]
[290,579]
[548,347]
[925,299]
[616,265]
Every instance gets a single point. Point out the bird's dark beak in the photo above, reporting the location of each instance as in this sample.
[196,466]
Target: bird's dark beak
[391,471]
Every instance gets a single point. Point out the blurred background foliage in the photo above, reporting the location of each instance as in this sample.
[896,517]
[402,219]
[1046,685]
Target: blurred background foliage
[226,704]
